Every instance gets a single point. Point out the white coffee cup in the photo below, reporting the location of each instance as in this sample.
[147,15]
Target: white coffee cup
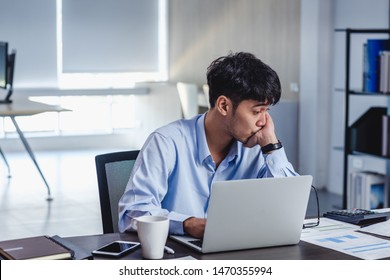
[152,234]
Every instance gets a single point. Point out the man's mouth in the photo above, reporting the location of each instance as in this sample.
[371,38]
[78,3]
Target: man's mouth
[246,141]
[257,131]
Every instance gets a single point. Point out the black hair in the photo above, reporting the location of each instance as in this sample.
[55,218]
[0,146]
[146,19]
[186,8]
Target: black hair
[242,76]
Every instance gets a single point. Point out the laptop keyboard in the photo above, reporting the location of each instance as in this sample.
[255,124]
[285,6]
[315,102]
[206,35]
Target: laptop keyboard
[197,242]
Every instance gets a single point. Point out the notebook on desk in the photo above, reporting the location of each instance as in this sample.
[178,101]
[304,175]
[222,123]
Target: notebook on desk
[35,248]
[253,213]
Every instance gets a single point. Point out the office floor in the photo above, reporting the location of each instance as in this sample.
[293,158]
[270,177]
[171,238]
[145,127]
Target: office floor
[75,210]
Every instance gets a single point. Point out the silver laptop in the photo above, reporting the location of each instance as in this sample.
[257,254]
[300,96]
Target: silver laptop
[253,213]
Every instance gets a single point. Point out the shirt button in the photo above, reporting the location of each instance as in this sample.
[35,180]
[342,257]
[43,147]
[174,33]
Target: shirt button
[271,162]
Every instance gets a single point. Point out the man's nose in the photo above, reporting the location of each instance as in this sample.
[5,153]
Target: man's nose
[261,121]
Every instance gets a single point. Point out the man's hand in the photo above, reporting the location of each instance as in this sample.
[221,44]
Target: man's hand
[195,226]
[265,135]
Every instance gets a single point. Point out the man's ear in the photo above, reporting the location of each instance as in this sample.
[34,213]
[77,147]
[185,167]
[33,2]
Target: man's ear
[223,104]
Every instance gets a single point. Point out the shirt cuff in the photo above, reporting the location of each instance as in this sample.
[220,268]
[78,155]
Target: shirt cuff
[176,223]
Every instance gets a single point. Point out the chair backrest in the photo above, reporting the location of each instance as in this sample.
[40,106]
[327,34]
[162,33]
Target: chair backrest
[188,94]
[113,173]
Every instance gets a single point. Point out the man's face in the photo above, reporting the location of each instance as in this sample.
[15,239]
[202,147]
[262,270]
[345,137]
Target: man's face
[248,118]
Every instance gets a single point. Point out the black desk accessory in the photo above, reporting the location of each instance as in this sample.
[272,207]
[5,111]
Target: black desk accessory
[359,217]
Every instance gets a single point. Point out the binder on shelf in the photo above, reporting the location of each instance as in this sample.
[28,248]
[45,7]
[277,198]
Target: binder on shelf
[34,248]
[385,136]
[371,63]
[366,133]
[365,67]
[367,190]
[384,72]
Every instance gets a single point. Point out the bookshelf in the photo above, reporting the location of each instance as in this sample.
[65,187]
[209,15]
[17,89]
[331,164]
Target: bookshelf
[349,94]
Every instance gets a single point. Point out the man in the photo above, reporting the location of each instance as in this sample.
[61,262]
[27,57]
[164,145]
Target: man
[235,139]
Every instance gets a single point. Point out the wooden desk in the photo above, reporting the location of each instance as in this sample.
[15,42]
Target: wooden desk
[25,107]
[302,251]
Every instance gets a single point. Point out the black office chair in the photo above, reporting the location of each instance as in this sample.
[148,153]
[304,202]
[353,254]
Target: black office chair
[113,173]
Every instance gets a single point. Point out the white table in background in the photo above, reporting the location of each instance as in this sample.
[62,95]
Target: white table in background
[25,107]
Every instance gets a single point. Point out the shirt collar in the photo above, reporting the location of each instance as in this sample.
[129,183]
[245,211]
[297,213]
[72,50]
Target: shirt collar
[203,149]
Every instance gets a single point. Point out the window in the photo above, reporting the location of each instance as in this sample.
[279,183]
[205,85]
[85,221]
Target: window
[111,44]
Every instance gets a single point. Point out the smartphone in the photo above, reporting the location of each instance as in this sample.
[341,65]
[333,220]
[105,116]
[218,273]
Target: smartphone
[116,248]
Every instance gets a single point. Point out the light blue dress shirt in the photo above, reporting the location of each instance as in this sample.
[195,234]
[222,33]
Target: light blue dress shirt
[174,172]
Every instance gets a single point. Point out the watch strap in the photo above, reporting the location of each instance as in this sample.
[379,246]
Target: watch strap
[271,147]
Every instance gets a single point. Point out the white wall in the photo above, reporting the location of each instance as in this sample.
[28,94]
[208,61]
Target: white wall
[316,41]
[200,31]
[285,117]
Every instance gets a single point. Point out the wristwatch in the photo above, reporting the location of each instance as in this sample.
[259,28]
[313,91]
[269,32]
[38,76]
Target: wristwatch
[271,147]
